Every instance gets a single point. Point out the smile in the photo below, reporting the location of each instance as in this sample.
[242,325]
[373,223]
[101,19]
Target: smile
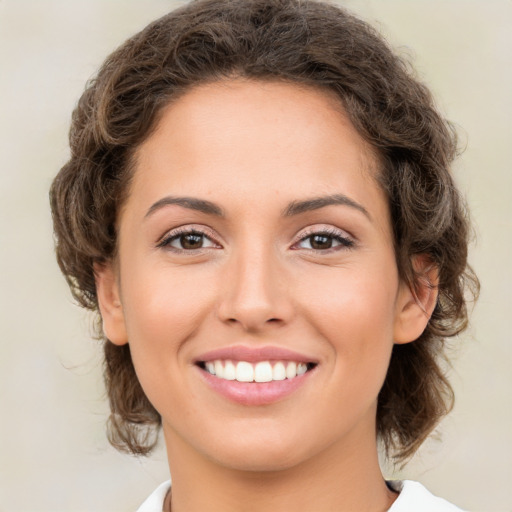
[255,376]
[262,371]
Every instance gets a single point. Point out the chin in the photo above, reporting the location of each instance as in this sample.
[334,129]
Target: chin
[260,455]
[258,462]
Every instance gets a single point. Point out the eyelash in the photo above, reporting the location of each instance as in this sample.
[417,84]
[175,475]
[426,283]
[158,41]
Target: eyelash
[337,235]
[344,241]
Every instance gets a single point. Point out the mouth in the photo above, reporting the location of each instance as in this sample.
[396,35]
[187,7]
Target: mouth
[261,371]
[254,376]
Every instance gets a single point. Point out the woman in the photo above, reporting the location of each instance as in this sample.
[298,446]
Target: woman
[259,205]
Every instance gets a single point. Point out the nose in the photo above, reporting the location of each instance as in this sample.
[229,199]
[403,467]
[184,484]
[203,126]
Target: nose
[255,291]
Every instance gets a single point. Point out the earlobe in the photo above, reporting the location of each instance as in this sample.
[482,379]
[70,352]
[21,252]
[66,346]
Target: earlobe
[415,305]
[109,302]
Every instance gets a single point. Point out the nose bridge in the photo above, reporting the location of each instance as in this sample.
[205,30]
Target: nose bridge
[254,293]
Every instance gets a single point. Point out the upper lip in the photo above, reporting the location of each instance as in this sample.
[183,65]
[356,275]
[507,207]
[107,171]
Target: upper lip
[255,354]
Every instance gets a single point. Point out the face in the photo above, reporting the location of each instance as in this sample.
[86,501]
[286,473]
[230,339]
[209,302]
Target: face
[256,244]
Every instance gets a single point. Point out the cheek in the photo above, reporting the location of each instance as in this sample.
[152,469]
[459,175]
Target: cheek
[356,318]
[352,301]
[163,309]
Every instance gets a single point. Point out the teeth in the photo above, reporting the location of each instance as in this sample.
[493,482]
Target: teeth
[244,372]
[263,371]
[229,371]
[279,372]
[219,369]
[291,370]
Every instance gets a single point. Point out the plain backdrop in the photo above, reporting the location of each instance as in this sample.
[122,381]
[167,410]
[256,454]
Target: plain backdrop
[53,453]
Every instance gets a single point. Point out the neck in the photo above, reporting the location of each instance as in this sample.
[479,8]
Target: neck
[344,477]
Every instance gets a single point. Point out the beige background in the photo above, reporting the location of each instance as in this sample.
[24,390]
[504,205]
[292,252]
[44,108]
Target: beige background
[53,452]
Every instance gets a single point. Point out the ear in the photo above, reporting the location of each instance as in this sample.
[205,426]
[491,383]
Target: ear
[416,305]
[109,302]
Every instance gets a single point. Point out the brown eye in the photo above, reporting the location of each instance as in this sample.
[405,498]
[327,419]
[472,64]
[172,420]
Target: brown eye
[187,240]
[324,241]
[321,242]
[191,241]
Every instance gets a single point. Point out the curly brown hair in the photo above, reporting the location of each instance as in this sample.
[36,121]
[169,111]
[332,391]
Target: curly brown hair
[299,41]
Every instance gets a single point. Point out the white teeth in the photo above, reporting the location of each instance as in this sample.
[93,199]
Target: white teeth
[301,369]
[279,372]
[263,371]
[244,372]
[219,370]
[291,370]
[229,371]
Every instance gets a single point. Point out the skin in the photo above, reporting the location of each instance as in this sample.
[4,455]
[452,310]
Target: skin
[252,148]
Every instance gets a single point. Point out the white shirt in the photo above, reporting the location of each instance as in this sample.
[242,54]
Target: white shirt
[413,498]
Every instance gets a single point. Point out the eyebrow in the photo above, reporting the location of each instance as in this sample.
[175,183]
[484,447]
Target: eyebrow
[191,203]
[294,208]
[315,203]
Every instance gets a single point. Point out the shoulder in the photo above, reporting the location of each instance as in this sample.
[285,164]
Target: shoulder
[155,501]
[415,498]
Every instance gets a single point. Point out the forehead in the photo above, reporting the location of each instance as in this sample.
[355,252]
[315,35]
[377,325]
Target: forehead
[256,141]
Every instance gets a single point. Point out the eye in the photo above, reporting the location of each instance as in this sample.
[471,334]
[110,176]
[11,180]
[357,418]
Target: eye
[327,240]
[187,240]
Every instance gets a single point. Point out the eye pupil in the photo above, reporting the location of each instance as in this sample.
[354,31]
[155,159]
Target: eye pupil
[321,242]
[191,241]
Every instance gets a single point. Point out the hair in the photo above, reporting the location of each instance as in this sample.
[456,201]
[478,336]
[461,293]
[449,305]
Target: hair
[297,41]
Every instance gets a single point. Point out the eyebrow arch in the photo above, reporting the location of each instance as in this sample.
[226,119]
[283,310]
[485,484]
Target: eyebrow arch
[191,203]
[294,208]
[315,203]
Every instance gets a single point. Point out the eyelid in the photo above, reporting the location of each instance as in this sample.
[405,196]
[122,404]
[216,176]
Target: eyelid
[329,230]
[184,230]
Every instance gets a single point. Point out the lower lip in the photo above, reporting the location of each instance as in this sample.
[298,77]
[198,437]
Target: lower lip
[255,393]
